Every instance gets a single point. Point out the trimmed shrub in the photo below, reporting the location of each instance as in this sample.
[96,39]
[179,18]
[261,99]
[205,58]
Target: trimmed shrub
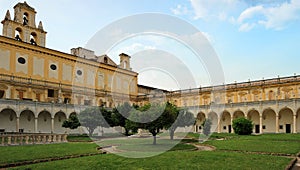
[242,126]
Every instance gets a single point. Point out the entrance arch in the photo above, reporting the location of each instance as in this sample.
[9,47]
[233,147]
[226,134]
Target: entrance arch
[238,114]
[59,118]
[213,117]
[44,122]
[225,122]
[8,120]
[199,120]
[285,117]
[253,115]
[27,121]
[269,121]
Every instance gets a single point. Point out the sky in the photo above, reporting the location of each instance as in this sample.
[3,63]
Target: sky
[252,39]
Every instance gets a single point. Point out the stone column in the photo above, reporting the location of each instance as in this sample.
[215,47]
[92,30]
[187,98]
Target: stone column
[260,124]
[231,119]
[277,124]
[294,123]
[52,125]
[35,125]
[219,125]
[17,124]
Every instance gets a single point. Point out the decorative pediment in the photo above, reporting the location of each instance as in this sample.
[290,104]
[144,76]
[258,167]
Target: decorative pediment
[287,89]
[205,97]
[21,89]
[242,93]
[229,94]
[255,92]
[106,60]
[3,87]
[38,91]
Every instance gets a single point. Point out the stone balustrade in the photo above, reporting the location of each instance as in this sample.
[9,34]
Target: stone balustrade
[29,139]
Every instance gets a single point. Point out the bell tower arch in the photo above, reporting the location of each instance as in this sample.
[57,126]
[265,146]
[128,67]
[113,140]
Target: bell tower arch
[124,61]
[23,26]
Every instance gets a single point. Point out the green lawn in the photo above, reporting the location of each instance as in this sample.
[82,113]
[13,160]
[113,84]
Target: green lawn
[171,160]
[10,154]
[181,156]
[272,143]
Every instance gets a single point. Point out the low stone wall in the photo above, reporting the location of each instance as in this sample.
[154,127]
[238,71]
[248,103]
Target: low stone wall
[28,139]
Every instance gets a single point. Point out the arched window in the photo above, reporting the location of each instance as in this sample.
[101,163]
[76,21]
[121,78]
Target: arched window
[33,38]
[25,18]
[105,60]
[101,103]
[125,64]
[18,34]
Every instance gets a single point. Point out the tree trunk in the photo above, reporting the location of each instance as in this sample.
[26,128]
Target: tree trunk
[154,139]
[171,134]
[90,132]
[126,132]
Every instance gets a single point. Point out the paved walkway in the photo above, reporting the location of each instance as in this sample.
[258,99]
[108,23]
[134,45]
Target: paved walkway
[297,164]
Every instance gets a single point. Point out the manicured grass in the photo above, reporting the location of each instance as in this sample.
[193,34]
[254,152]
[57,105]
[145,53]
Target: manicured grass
[179,157]
[143,147]
[272,143]
[171,160]
[10,154]
[79,138]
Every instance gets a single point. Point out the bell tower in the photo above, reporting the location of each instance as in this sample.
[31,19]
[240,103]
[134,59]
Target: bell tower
[124,61]
[23,27]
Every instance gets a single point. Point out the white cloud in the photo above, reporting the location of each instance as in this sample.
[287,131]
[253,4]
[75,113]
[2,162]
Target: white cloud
[271,17]
[249,13]
[246,27]
[246,14]
[220,9]
[180,10]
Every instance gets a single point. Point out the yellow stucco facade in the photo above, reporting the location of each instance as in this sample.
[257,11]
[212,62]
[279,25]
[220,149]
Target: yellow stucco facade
[39,87]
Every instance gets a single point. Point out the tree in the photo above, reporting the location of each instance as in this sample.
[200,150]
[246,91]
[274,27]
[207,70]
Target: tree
[149,117]
[242,126]
[72,122]
[93,117]
[206,126]
[120,115]
[175,118]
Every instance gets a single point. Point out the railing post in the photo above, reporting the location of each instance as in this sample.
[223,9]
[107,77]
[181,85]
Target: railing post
[44,139]
[54,138]
[3,140]
[26,139]
[9,140]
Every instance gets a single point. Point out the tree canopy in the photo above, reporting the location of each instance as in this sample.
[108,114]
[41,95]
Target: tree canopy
[93,117]
[72,122]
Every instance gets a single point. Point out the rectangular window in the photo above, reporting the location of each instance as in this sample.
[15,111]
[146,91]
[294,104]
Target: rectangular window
[224,127]
[21,95]
[264,127]
[87,102]
[38,97]
[67,100]
[280,126]
[50,93]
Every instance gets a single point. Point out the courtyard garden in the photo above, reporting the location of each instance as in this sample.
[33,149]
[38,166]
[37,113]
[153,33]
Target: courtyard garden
[267,151]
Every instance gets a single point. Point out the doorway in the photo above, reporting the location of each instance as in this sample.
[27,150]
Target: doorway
[256,128]
[229,128]
[288,128]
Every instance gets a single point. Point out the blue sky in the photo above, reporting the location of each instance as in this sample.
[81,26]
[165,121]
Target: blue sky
[253,39]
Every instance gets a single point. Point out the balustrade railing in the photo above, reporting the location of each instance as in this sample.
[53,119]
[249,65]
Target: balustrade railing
[29,139]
